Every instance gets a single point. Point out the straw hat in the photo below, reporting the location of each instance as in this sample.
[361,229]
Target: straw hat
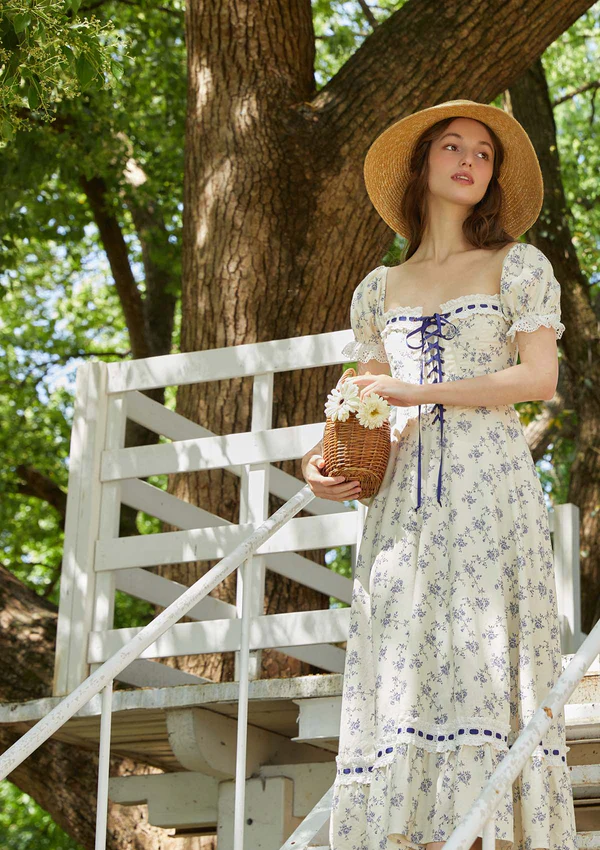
[387,164]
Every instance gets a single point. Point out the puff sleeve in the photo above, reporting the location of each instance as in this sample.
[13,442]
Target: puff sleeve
[529,291]
[365,315]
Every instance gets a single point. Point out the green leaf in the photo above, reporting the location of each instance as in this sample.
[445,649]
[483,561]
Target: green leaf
[21,22]
[33,96]
[117,69]
[67,53]
[85,71]
[8,131]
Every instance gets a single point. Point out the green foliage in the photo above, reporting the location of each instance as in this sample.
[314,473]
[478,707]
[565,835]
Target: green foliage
[48,54]
[26,826]
[121,122]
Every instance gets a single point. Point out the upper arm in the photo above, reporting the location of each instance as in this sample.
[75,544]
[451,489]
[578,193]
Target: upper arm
[367,348]
[530,295]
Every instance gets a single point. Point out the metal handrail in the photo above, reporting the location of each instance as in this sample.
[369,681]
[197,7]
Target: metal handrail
[481,814]
[102,678]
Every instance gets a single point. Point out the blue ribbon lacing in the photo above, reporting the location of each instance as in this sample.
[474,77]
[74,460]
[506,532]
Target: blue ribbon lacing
[431,338]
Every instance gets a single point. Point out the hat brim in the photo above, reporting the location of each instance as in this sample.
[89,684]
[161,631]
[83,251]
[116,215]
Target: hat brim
[387,164]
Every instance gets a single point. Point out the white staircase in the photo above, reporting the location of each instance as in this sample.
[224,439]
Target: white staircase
[188,732]
[252,761]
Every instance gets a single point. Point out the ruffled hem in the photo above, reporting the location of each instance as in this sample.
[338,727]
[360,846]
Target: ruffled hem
[364,351]
[358,766]
[533,321]
[417,796]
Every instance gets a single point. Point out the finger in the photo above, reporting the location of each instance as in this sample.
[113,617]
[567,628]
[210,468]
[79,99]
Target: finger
[347,490]
[331,481]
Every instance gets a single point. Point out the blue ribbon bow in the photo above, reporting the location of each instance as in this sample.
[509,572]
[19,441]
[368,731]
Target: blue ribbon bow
[432,339]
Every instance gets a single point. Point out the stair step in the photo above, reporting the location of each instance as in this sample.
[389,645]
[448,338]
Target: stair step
[588,840]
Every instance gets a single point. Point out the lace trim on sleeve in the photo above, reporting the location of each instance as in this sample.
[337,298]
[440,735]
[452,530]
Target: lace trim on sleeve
[533,321]
[364,351]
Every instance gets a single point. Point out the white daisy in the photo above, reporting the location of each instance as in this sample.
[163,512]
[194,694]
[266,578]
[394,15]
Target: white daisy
[342,402]
[373,411]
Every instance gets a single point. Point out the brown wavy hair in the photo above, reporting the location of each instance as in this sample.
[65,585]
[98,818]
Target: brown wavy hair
[482,227]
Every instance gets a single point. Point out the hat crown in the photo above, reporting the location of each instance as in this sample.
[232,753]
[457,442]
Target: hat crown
[387,164]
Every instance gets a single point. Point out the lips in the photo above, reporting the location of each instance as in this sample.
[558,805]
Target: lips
[462,177]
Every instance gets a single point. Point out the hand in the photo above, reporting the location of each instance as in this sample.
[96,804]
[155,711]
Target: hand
[393,390]
[337,488]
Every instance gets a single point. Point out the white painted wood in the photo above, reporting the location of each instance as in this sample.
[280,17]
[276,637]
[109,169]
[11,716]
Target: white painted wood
[311,574]
[81,527]
[175,800]
[103,768]
[152,674]
[310,825]
[565,543]
[204,740]
[216,364]
[219,694]
[583,721]
[161,591]
[588,840]
[311,780]
[319,721]
[174,547]
[110,512]
[156,417]
[268,814]
[250,592]
[145,497]
[273,444]
[46,727]
[585,781]
[253,509]
[215,694]
[297,628]
[325,656]
[77,458]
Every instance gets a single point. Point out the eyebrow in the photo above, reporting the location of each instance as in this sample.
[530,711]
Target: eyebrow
[458,136]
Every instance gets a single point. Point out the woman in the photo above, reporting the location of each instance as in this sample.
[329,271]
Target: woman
[454,634]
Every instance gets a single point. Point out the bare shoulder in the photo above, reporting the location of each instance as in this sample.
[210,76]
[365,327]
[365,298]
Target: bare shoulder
[500,254]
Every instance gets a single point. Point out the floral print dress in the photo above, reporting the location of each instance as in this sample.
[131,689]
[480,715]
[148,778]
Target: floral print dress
[454,634]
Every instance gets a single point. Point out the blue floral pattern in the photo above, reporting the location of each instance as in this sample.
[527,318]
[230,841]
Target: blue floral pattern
[454,636]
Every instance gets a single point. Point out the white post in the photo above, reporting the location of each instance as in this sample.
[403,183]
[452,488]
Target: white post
[110,511]
[104,768]
[565,534]
[75,610]
[254,505]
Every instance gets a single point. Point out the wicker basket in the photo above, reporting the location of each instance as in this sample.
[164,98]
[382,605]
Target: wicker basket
[358,453]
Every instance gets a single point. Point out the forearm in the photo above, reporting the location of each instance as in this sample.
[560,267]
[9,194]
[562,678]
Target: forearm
[522,382]
[316,449]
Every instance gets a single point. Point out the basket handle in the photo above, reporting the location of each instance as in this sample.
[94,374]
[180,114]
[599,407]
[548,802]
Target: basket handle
[350,372]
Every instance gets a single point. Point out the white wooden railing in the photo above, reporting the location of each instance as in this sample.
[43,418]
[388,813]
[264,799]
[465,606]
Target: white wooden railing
[103,475]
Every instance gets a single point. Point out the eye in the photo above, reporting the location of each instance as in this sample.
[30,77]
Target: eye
[452,145]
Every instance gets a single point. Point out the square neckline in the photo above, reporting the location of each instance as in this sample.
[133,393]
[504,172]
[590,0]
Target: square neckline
[449,302]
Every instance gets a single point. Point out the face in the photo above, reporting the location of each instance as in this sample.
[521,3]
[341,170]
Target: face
[464,146]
